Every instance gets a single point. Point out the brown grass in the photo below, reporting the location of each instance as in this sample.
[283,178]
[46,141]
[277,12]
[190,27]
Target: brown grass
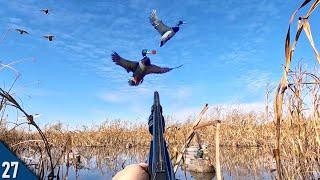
[300,148]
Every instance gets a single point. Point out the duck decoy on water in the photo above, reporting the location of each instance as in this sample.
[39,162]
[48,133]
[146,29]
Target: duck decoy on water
[45,11]
[21,31]
[166,32]
[139,69]
[49,37]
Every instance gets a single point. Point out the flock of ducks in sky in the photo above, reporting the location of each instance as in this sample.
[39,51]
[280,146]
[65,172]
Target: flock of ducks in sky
[49,37]
[139,68]
[144,67]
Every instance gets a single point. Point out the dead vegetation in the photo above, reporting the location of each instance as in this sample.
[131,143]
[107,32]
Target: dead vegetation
[239,131]
[284,85]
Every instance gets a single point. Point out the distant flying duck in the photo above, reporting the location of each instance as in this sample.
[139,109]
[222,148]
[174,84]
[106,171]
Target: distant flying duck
[45,11]
[139,69]
[165,31]
[49,37]
[21,31]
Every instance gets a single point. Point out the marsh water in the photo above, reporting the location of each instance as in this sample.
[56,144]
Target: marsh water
[104,162]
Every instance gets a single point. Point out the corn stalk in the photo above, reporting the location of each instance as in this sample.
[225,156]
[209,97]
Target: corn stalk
[303,24]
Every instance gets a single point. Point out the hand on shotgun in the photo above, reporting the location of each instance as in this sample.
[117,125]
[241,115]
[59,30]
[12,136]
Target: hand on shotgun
[133,172]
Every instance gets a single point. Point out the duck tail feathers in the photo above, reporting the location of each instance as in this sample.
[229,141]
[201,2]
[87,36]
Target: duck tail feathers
[177,67]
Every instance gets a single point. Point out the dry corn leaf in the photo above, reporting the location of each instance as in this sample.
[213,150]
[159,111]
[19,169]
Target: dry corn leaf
[287,47]
[313,7]
[304,3]
[307,30]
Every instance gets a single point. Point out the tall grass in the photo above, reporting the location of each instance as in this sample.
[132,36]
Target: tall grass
[303,24]
[239,131]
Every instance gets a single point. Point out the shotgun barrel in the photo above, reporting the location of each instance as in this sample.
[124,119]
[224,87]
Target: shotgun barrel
[160,166]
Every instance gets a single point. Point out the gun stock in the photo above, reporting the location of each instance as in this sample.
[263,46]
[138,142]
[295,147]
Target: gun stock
[160,166]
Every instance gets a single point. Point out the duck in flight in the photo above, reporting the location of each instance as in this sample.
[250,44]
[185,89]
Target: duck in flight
[49,37]
[45,11]
[166,32]
[21,31]
[139,69]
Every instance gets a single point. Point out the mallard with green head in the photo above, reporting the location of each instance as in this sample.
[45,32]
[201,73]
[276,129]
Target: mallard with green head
[139,68]
[166,32]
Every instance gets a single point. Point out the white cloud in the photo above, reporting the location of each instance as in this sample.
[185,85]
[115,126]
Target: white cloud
[112,97]
[125,94]
[242,107]
[183,113]
[183,92]
[15,20]
[256,80]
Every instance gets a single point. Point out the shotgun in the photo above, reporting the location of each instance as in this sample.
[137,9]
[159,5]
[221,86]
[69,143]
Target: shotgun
[160,166]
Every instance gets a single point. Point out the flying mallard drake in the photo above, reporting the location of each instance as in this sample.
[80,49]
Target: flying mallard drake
[165,31]
[139,69]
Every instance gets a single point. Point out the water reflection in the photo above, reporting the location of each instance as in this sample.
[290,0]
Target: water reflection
[104,162]
[202,176]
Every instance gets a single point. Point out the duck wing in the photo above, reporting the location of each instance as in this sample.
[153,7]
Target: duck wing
[158,24]
[128,65]
[159,70]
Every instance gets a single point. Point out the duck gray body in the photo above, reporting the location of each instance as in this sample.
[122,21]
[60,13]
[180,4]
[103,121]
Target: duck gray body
[139,69]
[166,32]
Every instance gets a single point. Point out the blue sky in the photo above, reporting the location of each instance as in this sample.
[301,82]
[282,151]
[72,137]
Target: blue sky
[230,50]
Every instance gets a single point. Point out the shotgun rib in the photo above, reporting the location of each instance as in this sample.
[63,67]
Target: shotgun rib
[160,166]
